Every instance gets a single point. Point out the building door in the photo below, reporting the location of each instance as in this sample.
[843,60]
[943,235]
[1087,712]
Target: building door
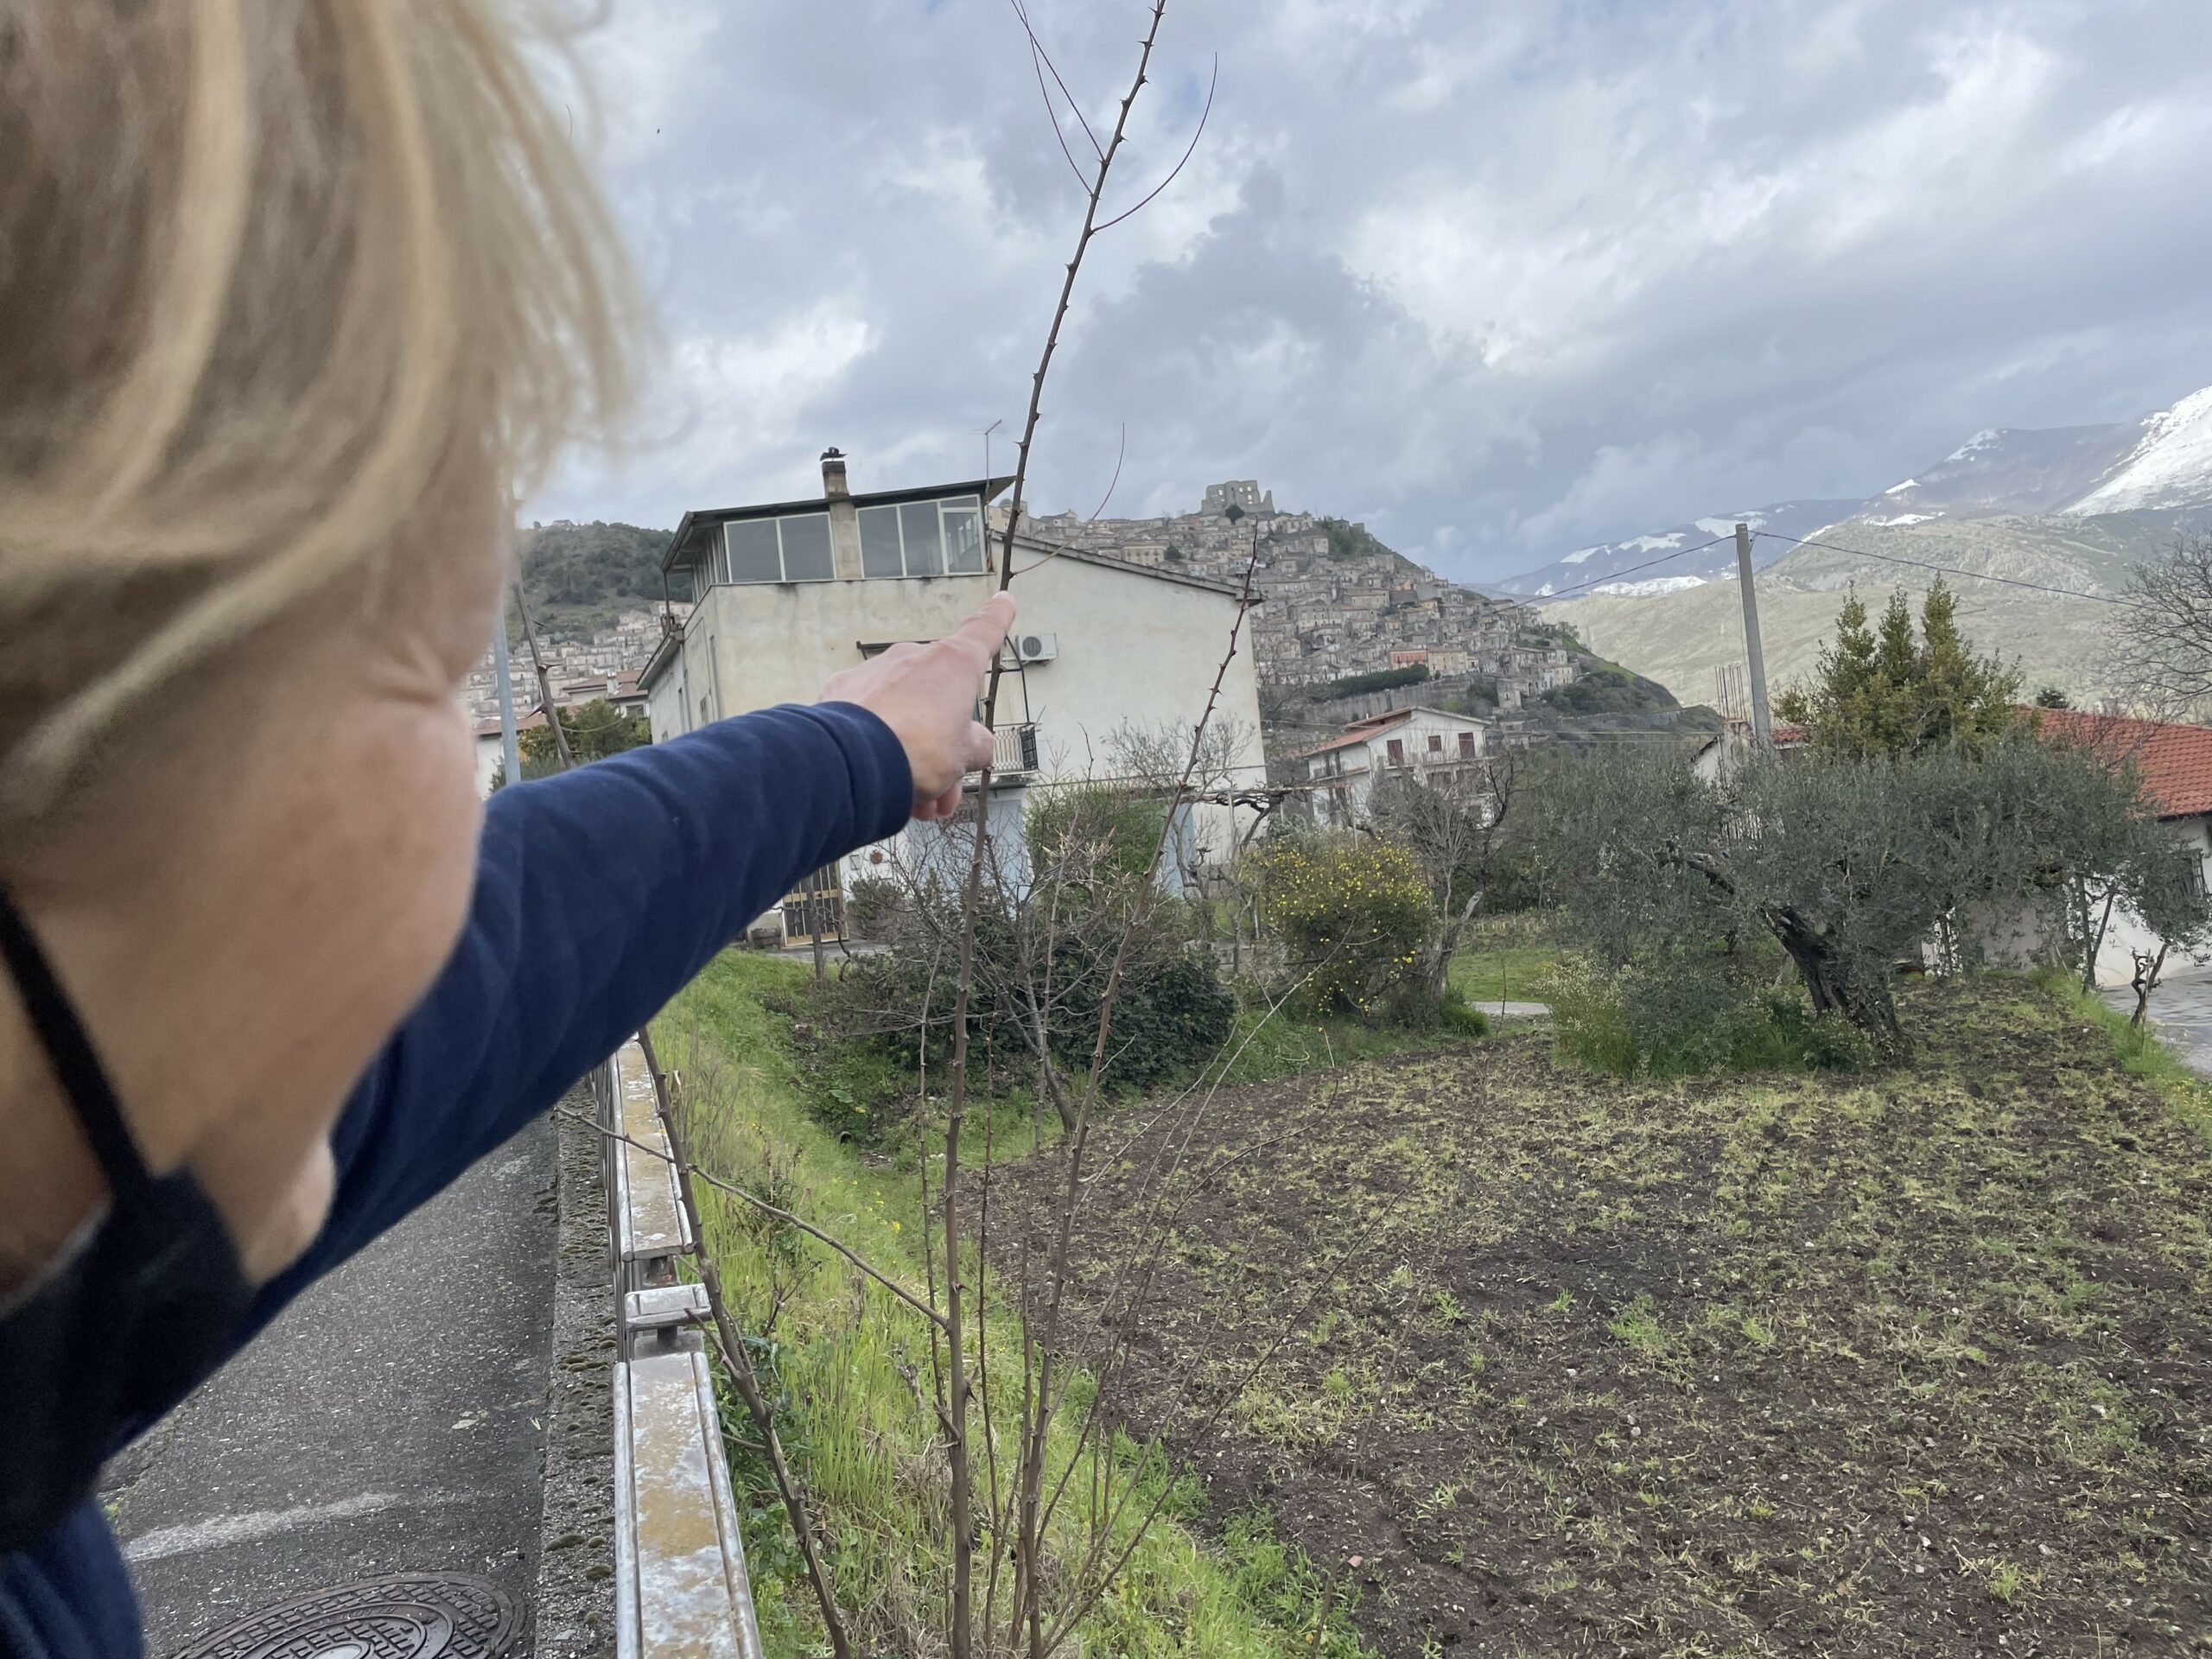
[816,911]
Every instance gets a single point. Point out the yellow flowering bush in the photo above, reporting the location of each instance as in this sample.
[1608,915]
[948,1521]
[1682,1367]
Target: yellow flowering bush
[1354,914]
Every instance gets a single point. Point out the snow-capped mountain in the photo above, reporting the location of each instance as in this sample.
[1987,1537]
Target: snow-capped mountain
[2169,466]
[2006,470]
[1641,565]
[2161,463]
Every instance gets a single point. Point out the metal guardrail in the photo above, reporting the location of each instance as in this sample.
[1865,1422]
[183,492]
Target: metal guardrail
[681,1591]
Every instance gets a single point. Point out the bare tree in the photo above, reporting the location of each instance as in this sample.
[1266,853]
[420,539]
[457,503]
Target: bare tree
[1152,755]
[1041,1513]
[2161,643]
[1452,815]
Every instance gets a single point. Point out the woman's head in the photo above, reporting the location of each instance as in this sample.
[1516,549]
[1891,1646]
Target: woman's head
[295,295]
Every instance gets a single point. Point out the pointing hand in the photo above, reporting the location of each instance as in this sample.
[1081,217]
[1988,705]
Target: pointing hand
[926,695]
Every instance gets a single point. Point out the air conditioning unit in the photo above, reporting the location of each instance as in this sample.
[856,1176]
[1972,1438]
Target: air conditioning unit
[1036,647]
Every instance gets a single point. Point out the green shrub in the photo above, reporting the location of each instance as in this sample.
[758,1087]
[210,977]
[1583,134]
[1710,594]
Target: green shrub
[1382,679]
[1456,1017]
[872,903]
[1172,1018]
[863,1030]
[1354,913]
[1094,832]
[1685,1015]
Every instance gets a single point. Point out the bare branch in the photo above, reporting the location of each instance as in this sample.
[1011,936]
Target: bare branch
[1037,62]
[1120,455]
[2161,647]
[766,1209]
[961,1610]
[544,684]
[1037,47]
[1189,150]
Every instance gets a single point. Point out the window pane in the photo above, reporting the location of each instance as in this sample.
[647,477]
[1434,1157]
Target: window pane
[752,550]
[963,538]
[925,551]
[806,548]
[879,543]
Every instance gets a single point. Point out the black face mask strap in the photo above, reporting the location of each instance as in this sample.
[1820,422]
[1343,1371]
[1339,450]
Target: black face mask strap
[76,1066]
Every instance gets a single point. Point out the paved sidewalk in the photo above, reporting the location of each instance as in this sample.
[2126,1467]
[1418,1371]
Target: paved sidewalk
[2181,1011]
[390,1422]
[1511,1010]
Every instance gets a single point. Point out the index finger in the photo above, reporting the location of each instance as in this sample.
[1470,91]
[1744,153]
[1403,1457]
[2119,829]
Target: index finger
[981,633]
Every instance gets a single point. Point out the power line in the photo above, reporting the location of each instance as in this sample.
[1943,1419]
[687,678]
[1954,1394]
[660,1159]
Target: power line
[1594,581]
[1950,570]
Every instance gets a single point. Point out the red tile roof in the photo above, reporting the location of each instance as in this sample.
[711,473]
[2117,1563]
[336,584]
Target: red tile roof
[523,723]
[1360,731]
[1348,740]
[2175,761]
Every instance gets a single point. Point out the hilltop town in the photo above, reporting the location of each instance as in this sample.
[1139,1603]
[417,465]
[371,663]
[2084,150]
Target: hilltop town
[1337,604]
[606,665]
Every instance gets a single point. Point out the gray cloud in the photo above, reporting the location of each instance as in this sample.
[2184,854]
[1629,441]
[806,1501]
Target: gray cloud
[1500,279]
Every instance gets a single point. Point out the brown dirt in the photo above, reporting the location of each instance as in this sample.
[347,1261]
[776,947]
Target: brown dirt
[1913,1363]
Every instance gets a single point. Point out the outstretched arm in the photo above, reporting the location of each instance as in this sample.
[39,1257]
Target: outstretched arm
[601,892]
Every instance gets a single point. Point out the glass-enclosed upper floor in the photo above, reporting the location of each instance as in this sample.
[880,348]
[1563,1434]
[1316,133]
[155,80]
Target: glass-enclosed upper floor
[937,536]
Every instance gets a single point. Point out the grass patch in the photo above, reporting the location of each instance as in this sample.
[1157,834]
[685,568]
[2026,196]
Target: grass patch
[851,1370]
[1266,1049]
[2138,1048]
[1504,959]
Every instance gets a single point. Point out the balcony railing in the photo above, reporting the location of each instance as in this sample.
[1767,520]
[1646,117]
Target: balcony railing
[1013,750]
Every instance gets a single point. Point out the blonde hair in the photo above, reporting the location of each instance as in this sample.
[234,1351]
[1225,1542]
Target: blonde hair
[286,287]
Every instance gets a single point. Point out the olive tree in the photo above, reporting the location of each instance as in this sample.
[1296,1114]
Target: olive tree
[1853,866]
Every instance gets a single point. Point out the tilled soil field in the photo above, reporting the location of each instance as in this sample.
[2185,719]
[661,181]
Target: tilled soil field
[1911,1362]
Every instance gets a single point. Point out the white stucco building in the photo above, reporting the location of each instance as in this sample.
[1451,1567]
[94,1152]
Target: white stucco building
[789,593]
[2174,762]
[1440,749]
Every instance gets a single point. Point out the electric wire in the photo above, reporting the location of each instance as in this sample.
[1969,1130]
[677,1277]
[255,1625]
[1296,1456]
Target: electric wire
[1949,570]
[1664,558]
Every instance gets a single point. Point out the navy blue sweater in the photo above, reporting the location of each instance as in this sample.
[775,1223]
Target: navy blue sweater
[599,893]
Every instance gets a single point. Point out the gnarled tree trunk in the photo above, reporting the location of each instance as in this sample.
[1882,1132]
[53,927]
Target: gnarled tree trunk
[1832,989]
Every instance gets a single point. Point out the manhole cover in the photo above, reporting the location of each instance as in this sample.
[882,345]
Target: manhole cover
[425,1616]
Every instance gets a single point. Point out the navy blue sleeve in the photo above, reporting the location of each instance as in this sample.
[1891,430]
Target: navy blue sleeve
[599,894]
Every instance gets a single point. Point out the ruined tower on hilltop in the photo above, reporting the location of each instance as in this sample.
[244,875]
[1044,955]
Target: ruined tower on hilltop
[1241,492]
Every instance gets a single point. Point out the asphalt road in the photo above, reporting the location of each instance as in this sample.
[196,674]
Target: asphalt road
[2181,1011]
[392,1421]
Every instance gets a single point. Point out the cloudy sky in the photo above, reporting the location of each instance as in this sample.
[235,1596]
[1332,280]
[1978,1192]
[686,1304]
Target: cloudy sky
[1501,277]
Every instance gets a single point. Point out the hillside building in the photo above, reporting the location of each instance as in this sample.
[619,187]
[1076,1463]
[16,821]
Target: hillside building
[1431,746]
[1330,614]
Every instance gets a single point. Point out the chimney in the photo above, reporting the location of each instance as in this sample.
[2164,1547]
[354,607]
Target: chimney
[833,487]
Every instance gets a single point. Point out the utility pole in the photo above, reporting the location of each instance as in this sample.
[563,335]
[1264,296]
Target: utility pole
[508,747]
[1762,721]
[544,685]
